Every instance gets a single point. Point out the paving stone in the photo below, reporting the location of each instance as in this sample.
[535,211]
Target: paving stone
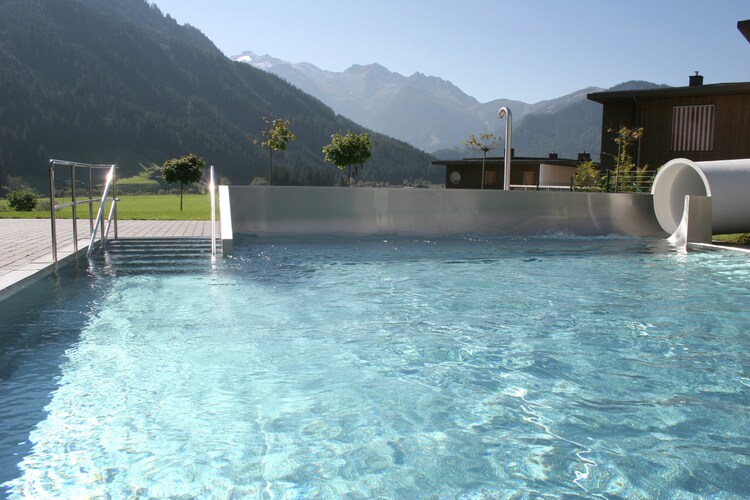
[26,244]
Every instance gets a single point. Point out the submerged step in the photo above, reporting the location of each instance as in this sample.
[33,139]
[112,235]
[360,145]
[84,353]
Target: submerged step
[152,255]
[158,251]
[130,243]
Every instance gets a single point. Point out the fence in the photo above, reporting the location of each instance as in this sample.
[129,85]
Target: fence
[611,182]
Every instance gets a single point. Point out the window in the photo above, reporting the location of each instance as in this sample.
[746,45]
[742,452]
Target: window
[693,127]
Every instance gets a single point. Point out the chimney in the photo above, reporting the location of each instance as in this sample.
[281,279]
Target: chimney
[553,156]
[584,156]
[696,80]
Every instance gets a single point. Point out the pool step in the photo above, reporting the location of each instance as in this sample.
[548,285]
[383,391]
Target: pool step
[153,256]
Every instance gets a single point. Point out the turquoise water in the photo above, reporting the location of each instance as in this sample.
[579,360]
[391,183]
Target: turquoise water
[390,368]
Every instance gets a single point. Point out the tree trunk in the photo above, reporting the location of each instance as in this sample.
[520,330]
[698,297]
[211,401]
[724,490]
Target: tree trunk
[180,196]
[270,163]
[484,156]
[349,176]
[617,169]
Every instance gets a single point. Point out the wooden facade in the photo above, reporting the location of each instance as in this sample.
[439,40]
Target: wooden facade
[656,110]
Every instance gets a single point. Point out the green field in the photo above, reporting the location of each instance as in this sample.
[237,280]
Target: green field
[130,207]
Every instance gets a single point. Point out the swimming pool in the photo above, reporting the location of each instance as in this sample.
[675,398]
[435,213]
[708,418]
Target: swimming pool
[389,367]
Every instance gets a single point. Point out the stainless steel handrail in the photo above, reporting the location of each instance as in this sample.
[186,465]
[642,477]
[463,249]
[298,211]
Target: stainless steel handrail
[100,213]
[212,190]
[74,203]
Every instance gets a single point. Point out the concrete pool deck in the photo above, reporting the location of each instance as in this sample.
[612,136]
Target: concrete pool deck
[26,244]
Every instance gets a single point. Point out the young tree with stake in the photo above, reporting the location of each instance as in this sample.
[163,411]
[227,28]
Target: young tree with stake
[485,143]
[185,170]
[347,150]
[276,137]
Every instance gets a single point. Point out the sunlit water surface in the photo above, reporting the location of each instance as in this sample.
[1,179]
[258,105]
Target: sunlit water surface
[401,368]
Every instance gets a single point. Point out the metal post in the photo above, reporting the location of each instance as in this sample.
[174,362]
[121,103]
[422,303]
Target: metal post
[212,189]
[91,206]
[505,113]
[52,210]
[101,206]
[114,195]
[73,207]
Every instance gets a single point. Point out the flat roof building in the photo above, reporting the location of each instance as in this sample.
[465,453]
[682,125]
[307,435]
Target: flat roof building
[525,172]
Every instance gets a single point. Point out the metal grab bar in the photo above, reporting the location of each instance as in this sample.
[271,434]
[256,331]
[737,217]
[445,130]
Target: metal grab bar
[112,211]
[74,203]
[212,190]
[100,213]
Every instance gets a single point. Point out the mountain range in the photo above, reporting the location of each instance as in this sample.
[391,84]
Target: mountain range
[434,115]
[105,81]
[120,82]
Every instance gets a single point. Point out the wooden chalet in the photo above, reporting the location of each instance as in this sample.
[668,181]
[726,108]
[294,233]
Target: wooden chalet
[699,122]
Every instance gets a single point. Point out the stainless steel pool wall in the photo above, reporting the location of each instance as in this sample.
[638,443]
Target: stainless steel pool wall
[279,210]
[727,182]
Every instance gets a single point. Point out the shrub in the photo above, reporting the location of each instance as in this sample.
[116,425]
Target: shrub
[21,201]
[587,177]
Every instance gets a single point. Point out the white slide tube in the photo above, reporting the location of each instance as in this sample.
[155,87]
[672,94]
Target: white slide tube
[727,182]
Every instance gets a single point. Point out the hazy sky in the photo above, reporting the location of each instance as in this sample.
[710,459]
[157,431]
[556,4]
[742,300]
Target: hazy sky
[529,50]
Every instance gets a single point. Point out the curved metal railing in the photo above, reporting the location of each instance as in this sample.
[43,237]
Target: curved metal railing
[74,202]
[100,213]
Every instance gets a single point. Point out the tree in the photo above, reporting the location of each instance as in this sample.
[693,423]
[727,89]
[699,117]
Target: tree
[347,150]
[587,177]
[624,165]
[185,170]
[276,137]
[486,142]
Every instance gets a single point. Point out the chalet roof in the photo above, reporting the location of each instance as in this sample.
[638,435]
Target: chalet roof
[744,27]
[670,92]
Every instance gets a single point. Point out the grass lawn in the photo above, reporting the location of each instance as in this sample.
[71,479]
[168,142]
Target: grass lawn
[737,239]
[130,207]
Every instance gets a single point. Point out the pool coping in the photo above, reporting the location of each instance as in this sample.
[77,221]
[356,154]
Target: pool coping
[31,272]
[714,246]
[28,251]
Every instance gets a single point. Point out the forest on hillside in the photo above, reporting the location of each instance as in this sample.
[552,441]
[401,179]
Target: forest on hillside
[120,82]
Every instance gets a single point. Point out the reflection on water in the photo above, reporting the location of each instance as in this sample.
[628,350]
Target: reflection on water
[465,367]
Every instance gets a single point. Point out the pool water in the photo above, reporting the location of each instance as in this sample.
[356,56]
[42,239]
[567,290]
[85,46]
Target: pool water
[385,367]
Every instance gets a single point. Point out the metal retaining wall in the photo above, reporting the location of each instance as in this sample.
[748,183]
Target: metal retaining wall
[280,210]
